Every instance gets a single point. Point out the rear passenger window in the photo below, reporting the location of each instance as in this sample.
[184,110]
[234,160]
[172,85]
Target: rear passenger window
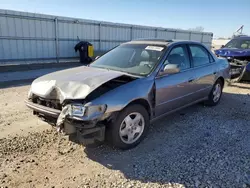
[200,55]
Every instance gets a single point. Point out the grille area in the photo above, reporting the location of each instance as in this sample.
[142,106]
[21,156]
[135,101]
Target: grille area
[51,103]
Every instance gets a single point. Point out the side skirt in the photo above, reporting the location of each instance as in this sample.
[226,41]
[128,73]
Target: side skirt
[177,109]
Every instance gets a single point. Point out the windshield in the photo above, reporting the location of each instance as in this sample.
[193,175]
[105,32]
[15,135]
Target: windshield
[238,43]
[137,59]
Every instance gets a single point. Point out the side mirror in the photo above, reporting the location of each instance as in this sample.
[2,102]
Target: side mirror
[222,46]
[170,69]
[97,57]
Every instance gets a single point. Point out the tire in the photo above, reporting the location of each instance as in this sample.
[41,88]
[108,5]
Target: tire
[213,100]
[119,132]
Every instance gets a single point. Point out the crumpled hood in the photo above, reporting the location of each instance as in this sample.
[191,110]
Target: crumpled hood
[232,52]
[75,83]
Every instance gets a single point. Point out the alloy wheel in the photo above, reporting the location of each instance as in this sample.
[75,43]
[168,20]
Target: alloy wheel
[132,128]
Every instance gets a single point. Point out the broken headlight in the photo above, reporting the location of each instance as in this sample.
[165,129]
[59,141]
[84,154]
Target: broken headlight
[77,110]
[95,110]
[89,111]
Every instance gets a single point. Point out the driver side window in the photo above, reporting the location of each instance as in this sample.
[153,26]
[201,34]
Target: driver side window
[179,57]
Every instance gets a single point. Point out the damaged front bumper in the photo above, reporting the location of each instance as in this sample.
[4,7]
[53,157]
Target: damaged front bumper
[240,70]
[83,131]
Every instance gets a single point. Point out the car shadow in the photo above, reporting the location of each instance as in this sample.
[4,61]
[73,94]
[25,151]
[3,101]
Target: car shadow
[246,86]
[194,147]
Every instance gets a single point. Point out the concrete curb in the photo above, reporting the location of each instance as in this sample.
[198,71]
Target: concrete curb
[18,75]
[26,67]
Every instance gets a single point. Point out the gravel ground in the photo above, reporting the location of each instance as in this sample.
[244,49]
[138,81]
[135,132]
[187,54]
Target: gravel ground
[15,118]
[197,147]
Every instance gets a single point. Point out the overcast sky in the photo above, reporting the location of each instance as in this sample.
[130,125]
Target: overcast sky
[222,17]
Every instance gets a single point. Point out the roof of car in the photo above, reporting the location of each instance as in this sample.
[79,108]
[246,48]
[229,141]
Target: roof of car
[156,41]
[242,37]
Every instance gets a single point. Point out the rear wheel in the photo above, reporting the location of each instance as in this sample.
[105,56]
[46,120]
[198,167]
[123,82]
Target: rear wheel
[129,128]
[215,94]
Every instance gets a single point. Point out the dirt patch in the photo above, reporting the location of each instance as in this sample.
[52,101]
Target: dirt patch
[15,117]
[197,147]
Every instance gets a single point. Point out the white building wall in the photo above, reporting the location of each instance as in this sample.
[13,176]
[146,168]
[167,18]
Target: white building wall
[37,38]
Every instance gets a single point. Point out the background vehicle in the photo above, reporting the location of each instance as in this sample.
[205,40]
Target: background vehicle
[237,51]
[124,90]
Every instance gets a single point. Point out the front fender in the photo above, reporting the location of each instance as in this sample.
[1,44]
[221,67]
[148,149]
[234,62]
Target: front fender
[120,97]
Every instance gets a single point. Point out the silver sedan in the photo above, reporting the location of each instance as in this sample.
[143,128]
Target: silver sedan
[117,96]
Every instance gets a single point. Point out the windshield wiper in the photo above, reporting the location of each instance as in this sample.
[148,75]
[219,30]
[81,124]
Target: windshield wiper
[118,70]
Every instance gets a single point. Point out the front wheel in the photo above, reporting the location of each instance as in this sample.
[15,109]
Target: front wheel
[215,94]
[129,128]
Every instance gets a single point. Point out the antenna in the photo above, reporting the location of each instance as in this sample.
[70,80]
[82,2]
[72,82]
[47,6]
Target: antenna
[239,31]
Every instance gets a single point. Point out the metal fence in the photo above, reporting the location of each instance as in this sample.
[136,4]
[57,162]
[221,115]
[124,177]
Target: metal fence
[38,38]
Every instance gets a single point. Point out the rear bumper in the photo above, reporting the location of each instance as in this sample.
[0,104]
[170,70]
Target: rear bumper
[85,132]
